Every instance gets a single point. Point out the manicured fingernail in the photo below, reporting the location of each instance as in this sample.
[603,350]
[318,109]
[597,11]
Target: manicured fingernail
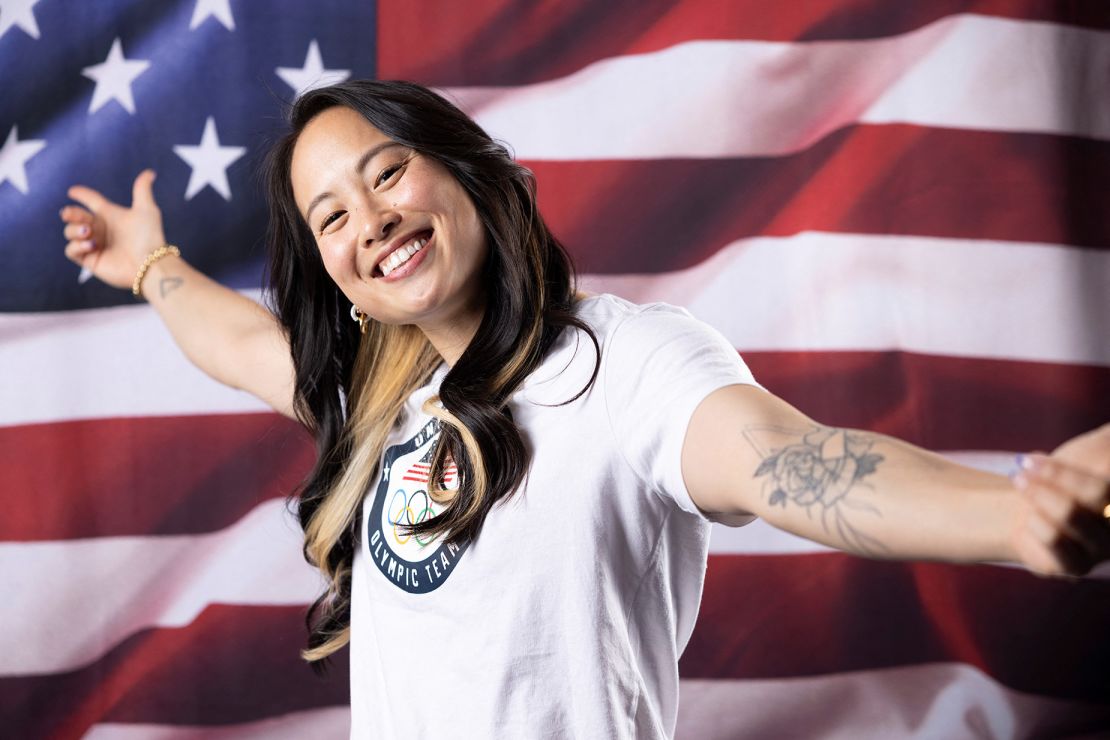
[85,245]
[83,230]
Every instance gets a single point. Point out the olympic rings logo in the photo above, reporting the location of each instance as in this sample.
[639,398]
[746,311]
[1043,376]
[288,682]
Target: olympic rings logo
[409,510]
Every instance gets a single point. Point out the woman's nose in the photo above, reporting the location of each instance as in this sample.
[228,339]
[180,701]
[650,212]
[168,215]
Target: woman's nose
[378,225]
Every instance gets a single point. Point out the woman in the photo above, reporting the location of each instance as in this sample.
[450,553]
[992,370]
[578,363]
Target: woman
[539,468]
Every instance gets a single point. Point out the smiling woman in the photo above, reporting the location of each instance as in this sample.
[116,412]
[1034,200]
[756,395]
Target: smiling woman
[368,169]
[515,482]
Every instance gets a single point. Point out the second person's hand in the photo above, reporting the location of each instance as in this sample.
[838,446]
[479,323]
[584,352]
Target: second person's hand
[111,240]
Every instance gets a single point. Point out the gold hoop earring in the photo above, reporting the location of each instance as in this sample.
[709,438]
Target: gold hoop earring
[360,317]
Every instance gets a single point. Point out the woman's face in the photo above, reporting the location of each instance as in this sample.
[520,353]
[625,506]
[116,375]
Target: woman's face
[396,231]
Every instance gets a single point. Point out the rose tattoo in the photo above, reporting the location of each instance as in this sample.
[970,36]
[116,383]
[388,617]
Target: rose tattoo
[817,471]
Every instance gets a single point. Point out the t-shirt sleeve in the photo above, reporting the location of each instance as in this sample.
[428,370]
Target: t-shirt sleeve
[660,363]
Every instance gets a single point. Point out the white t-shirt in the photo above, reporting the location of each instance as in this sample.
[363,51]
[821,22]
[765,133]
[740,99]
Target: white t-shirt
[566,617]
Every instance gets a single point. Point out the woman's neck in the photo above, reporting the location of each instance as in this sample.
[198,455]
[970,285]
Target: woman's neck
[451,338]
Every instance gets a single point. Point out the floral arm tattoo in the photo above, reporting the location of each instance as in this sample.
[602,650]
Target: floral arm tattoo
[818,470]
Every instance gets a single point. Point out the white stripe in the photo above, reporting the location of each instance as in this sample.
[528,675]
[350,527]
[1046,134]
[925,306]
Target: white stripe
[747,98]
[760,538]
[940,700]
[99,363]
[119,585]
[811,291]
[960,297]
[329,722]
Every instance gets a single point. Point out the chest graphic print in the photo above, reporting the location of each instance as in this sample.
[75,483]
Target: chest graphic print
[417,564]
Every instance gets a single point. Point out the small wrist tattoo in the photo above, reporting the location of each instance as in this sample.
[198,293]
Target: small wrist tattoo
[168,285]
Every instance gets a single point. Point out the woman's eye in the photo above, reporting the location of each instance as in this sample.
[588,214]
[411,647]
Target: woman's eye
[387,173]
[328,219]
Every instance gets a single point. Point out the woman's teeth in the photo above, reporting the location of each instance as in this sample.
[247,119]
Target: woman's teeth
[401,255]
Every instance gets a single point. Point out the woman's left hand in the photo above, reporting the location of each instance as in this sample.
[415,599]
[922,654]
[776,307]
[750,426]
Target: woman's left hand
[1064,524]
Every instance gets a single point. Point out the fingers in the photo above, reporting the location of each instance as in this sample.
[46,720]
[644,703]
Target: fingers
[1089,451]
[78,223]
[1087,489]
[1046,554]
[1100,437]
[1068,533]
[142,192]
[77,232]
[75,215]
[88,197]
[1061,521]
[80,250]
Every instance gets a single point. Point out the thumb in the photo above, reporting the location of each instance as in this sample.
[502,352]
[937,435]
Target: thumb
[142,192]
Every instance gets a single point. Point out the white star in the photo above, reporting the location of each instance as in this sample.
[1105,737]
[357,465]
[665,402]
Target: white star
[312,75]
[218,9]
[113,79]
[209,162]
[18,13]
[14,156]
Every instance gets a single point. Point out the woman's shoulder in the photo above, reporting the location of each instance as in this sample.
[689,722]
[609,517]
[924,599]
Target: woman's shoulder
[628,334]
[631,331]
[607,310]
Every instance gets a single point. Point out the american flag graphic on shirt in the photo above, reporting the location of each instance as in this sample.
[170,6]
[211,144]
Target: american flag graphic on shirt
[421,470]
[897,212]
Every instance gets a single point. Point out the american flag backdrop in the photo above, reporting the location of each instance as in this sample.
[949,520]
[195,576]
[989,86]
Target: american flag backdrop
[897,211]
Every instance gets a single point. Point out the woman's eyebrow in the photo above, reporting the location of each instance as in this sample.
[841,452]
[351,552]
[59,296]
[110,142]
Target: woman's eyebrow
[364,160]
[372,152]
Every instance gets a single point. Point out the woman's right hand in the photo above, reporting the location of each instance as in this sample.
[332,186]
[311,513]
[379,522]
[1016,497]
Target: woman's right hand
[110,240]
[1066,521]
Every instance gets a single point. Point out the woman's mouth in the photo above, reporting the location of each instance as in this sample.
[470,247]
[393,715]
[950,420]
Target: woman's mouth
[406,258]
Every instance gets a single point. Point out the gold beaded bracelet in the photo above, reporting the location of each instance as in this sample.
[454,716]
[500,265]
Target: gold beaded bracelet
[157,254]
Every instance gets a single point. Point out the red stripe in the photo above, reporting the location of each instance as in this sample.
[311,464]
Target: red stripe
[181,475]
[651,216]
[513,42]
[941,403]
[234,663]
[805,615]
[151,475]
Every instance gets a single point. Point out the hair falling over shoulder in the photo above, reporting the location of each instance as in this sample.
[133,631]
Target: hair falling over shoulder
[350,388]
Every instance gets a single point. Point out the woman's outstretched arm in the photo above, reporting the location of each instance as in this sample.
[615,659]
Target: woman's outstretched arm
[227,335]
[747,451]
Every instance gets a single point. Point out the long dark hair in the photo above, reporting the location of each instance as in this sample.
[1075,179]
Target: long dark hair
[349,387]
